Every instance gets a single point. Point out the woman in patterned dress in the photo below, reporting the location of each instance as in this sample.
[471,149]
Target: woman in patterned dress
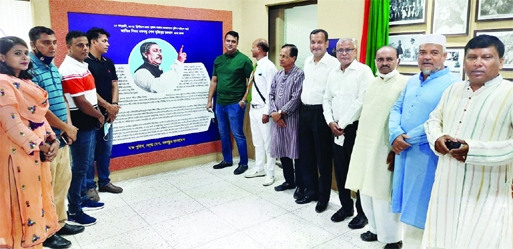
[27,212]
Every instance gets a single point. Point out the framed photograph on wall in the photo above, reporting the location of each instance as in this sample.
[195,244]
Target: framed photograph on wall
[407,12]
[450,17]
[454,61]
[491,10]
[506,36]
[407,47]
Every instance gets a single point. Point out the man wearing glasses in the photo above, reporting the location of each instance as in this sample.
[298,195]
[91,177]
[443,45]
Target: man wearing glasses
[342,104]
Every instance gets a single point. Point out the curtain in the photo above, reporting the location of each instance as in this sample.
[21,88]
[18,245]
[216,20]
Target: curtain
[377,29]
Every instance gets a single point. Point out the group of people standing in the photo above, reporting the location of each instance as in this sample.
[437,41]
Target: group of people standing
[429,156]
[55,124]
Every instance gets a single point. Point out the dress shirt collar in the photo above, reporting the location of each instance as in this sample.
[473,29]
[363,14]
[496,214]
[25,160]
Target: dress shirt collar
[352,66]
[323,60]
[262,60]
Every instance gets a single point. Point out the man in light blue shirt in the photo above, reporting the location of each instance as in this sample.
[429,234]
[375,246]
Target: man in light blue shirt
[415,163]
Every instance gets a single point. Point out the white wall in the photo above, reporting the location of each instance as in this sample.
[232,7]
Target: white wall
[299,22]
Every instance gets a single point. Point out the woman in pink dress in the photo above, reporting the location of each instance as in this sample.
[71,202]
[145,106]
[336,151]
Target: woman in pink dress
[27,212]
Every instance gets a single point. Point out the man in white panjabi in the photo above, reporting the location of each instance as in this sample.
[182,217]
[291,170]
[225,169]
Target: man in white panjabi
[368,170]
[471,204]
[260,86]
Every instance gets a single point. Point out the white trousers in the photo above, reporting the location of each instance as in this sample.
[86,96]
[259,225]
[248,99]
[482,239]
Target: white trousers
[261,134]
[382,221]
[412,237]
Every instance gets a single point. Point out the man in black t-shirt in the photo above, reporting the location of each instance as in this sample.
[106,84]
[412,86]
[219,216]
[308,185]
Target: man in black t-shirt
[106,80]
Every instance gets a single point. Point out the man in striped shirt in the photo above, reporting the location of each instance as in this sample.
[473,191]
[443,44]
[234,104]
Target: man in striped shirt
[471,130]
[80,91]
[46,75]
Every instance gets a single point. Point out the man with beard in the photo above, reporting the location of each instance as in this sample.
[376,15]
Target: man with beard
[368,171]
[415,163]
[150,77]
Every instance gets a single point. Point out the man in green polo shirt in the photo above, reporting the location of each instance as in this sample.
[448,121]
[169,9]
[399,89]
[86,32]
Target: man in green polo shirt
[229,80]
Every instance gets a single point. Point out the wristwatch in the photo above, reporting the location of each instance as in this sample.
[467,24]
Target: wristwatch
[279,112]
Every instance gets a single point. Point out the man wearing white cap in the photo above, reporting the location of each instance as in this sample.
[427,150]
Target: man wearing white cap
[415,163]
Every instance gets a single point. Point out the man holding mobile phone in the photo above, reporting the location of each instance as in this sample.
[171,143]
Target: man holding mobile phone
[46,75]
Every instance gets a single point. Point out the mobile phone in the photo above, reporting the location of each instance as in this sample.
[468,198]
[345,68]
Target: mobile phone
[452,145]
[63,139]
[42,156]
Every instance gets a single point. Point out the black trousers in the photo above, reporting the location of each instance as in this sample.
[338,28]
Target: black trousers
[341,159]
[315,152]
[289,169]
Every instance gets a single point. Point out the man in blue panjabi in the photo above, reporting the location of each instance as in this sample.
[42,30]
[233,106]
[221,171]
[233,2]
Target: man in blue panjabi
[415,163]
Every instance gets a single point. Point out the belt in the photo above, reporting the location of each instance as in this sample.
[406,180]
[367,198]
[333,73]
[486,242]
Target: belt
[311,107]
[257,106]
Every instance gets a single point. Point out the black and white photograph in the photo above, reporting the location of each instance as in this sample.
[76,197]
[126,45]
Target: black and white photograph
[450,17]
[454,61]
[407,47]
[489,10]
[506,36]
[407,12]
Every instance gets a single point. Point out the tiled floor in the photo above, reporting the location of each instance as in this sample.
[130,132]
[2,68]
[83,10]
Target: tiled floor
[200,207]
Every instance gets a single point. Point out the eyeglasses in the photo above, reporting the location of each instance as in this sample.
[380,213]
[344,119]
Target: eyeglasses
[347,50]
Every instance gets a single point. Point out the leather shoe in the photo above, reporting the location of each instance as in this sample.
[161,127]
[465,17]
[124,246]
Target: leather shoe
[222,164]
[299,193]
[358,222]
[241,169]
[68,229]
[111,188]
[56,241]
[396,245]
[321,207]
[369,236]
[341,215]
[284,186]
[307,199]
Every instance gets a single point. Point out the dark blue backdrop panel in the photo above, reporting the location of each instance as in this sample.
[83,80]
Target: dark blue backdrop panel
[202,41]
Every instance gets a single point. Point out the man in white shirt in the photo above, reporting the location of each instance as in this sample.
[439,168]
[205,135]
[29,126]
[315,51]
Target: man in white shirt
[315,140]
[259,85]
[342,106]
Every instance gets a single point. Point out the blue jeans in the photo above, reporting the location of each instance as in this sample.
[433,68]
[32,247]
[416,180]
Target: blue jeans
[232,117]
[82,158]
[102,158]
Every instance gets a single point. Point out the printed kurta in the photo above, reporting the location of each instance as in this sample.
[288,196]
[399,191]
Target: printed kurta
[415,167]
[471,204]
[27,213]
[368,170]
[285,95]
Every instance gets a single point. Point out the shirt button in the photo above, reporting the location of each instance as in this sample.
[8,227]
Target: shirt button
[460,122]
[469,97]
[464,110]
